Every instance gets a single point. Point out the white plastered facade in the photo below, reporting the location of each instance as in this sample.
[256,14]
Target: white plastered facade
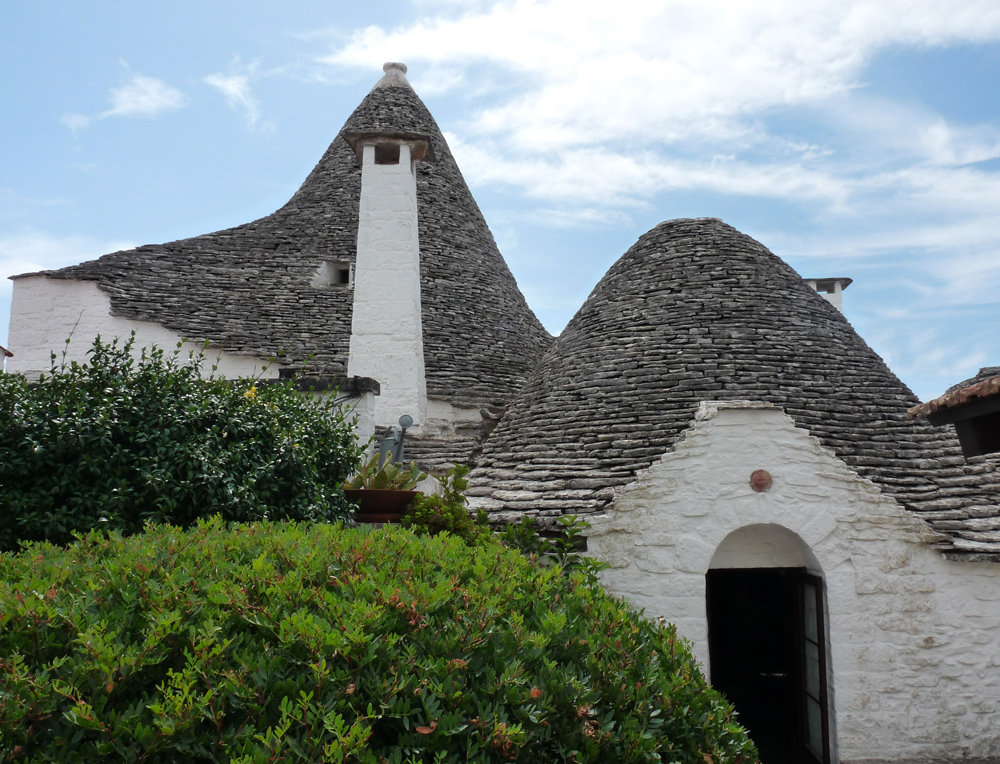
[45,312]
[914,639]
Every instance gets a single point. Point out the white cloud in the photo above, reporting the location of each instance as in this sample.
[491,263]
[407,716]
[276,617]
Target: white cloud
[923,353]
[238,92]
[622,101]
[909,132]
[138,96]
[577,218]
[626,179]
[590,68]
[949,145]
[961,191]
[597,109]
[75,121]
[925,243]
[142,96]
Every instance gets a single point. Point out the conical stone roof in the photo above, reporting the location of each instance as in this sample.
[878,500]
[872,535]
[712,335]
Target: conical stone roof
[250,289]
[697,311]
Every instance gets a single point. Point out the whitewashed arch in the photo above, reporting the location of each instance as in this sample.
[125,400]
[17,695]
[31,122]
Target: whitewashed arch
[764,545]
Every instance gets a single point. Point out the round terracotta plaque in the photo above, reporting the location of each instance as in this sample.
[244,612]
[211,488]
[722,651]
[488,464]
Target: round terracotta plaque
[761,481]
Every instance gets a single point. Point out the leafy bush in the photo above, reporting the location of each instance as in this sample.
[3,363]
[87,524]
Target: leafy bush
[119,441]
[562,545]
[288,642]
[446,511]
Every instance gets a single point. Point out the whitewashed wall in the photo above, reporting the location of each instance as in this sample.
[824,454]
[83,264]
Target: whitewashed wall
[45,312]
[914,638]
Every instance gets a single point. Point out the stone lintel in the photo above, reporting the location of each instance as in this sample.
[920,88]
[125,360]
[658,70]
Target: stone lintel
[421,149]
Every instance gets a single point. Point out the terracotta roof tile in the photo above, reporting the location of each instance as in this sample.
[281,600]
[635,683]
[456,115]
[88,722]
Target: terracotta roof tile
[988,387]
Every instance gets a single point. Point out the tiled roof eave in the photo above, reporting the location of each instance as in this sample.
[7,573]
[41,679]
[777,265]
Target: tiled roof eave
[981,391]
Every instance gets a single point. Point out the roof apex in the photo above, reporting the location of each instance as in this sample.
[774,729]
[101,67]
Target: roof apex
[395,76]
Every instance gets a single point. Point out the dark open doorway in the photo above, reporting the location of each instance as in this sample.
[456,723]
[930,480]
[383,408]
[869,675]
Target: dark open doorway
[767,652]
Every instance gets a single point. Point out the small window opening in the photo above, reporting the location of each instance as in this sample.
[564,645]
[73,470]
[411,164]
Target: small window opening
[334,273]
[979,435]
[386,153]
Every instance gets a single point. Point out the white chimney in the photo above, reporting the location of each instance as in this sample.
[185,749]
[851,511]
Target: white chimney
[832,289]
[386,333]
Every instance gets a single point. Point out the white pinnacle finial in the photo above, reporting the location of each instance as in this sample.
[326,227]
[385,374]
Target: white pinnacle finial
[395,74]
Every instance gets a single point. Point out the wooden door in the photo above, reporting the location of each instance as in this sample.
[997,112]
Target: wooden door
[767,653]
[813,691]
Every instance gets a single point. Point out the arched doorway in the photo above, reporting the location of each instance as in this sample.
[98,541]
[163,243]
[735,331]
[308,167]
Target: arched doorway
[767,641]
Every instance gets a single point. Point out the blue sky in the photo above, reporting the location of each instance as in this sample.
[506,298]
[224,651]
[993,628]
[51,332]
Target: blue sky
[856,139]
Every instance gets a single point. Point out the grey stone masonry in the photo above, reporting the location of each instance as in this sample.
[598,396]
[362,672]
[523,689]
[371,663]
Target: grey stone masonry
[696,311]
[253,289]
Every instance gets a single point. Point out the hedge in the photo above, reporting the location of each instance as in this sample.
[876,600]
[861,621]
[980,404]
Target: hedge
[309,642]
[120,441]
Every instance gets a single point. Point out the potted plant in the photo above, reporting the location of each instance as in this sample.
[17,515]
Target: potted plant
[382,493]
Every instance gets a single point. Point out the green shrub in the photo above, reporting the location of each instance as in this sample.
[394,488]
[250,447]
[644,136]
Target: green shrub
[446,511]
[562,545]
[298,642]
[118,441]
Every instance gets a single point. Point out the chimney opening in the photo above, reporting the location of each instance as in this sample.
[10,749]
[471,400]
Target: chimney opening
[386,153]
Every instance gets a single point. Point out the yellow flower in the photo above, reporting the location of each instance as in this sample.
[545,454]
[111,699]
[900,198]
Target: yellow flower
[251,393]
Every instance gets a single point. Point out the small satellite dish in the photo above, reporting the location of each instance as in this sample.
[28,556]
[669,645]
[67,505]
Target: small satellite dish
[406,421]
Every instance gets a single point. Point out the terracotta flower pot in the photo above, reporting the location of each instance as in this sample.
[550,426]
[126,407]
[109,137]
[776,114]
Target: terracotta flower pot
[379,505]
